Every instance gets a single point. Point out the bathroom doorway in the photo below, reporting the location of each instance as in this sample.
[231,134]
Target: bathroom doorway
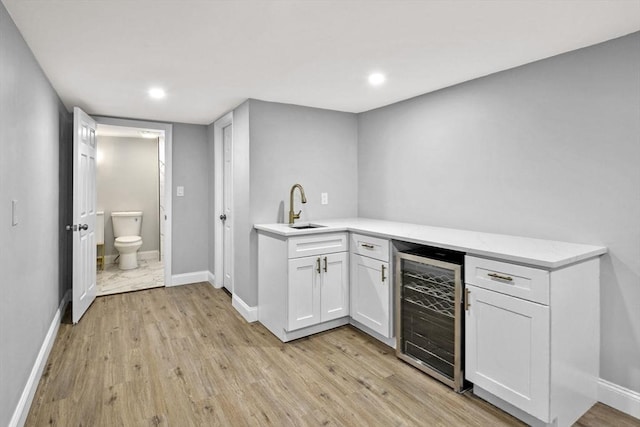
[133,205]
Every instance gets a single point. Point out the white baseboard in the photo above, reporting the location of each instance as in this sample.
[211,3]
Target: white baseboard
[149,255]
[187,278]
[212,280]
[26,398]
[146,255]
[620,398]
[249,313]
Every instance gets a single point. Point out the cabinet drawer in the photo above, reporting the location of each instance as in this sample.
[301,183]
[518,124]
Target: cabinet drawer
[317,244]
[372,247]
[528,283]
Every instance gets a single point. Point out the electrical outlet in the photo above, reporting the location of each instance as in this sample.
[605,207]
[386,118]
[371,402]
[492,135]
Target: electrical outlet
[180,191]
[325,198]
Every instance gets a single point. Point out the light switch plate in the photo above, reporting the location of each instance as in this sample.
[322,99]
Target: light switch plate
[180,191]
[14,213]
[325,198]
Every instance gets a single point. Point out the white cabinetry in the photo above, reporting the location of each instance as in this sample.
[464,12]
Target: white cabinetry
[370,284]
[532,340]
[508,349]
[303,285]
[318,289]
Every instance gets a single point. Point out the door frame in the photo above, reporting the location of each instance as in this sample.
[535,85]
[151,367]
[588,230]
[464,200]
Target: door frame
[218,167]
[168,188]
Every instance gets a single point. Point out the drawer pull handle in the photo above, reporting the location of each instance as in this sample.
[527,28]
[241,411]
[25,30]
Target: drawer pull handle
[318,265]
[383,276]
[368,246]
[500,277]
[325,264]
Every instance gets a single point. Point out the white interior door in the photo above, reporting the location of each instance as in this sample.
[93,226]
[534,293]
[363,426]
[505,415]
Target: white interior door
[84,213]
[227,217]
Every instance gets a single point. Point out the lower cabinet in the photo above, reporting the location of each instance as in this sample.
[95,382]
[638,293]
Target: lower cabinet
[507,349]
[303,283]
[532,338]
[370,293]
[318,289]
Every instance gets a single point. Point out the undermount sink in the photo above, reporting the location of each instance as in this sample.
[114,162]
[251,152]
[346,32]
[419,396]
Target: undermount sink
[305,226]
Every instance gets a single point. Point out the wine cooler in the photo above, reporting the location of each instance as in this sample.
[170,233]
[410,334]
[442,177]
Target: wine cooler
[429,315]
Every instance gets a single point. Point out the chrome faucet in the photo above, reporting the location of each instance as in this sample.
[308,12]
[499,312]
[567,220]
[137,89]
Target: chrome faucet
[292,215]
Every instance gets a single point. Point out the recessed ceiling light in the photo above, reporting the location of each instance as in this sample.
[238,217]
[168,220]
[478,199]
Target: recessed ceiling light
[376,79]
[157,93]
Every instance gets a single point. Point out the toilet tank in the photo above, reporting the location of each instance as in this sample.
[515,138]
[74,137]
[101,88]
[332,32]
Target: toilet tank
[126,223]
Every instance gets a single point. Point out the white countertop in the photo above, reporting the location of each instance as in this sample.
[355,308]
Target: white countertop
[541,253]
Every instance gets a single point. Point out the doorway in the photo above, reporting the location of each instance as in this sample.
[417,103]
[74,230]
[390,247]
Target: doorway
[134,175]
[223,201]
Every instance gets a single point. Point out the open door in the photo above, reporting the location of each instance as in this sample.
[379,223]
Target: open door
[84,213]
[227,141]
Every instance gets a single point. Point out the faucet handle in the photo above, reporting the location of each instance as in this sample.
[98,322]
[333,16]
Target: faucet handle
[297,216]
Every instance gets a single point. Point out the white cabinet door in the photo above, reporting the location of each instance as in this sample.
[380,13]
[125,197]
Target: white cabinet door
[370,293]
[334,300]
[507,349]
[304,292]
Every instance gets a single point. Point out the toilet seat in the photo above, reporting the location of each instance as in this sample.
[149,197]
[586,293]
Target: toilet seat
[128,239]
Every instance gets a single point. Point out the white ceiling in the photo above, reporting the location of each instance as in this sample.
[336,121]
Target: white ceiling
[210,56]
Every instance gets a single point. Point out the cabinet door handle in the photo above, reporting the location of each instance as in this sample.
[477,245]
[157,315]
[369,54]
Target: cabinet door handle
[382,270]
[325,264]
[466,299]
[500,277]
[318,265]
[366,245]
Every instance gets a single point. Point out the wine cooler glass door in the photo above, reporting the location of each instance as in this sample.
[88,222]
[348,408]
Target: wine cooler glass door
[429,324]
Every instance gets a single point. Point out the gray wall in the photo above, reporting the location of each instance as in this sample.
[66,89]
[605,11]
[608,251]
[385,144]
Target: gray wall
[310,146]
[212,218]
[548,150]
[288,144]
[190,222]
[34,132]
[127,180]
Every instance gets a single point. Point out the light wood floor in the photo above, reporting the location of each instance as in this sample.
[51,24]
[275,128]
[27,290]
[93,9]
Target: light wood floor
[182,356]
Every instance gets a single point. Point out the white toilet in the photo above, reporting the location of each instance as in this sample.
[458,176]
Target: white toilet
[127,227]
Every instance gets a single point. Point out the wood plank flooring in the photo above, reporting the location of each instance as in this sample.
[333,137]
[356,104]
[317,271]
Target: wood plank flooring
[182,356]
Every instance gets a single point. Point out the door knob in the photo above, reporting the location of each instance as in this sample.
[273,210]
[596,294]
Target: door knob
[223,217]
[77,227]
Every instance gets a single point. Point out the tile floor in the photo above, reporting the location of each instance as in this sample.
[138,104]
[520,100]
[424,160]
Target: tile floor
[112,280]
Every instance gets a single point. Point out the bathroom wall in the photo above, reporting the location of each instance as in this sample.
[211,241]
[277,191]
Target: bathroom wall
[127,180]
[548,150]
[34,170]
